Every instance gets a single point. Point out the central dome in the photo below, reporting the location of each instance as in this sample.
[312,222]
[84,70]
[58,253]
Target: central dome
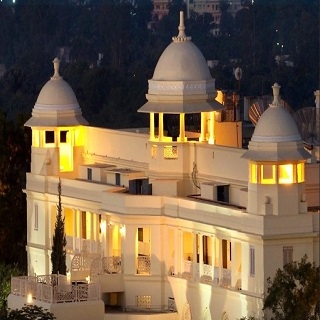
[181,81]
[181,61]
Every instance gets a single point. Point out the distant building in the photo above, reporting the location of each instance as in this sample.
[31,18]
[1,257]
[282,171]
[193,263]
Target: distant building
[181,225]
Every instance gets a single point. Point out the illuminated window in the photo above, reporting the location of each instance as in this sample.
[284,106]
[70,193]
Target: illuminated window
[300,172]
[286,173]
[253,173]
[268,174]
[49,137]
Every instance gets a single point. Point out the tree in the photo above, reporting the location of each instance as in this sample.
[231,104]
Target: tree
[6,272]
[294,292]
[58,254]
[29,312]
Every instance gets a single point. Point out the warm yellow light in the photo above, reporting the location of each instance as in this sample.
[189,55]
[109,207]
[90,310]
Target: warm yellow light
[103,226]
[68,277]
[29,298]
[300,172]
[268,174]
[65,150]
[219,96]
[122,230]
[88,279]
[285,172]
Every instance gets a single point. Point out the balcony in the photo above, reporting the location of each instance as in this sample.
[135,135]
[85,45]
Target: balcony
[54,289]
[77,245]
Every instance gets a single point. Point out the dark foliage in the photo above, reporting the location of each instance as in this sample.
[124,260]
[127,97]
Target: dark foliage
[58,254]
[294,292]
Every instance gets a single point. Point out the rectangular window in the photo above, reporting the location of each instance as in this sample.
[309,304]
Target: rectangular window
[286,174]
[49,137]
[300,172]
[287,254]
[63,136]
[89,174]
[36,222]
[252,262]
[84,224]
[140,234]
[268,174]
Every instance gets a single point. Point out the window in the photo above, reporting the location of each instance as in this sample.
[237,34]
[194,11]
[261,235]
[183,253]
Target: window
[285,172]
[36,225]
[140,234]
[89,174]
[287,254]
[268,174]
[49,137]
[252,261]
[63,136]
[300,172]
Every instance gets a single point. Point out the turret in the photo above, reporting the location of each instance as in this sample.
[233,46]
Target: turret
[56,125]
[276,159]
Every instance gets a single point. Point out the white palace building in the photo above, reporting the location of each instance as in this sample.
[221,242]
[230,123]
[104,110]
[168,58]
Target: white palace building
[161,227]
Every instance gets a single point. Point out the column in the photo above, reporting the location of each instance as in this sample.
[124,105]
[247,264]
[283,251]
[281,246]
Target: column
[182,128]
[234,274]
[180,257]
[200,248]
[194,255]
[213,255]
[203,132]
[151,127]
[160,128]
[74,231]
[211,128]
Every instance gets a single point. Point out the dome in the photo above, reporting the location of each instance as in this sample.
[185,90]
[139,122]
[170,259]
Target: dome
[181,61]
[57,104]
[276,124]
[181,81]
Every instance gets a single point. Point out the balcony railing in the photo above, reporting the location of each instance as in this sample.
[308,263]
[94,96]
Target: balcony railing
[54,289]
[77,245]
[144,265]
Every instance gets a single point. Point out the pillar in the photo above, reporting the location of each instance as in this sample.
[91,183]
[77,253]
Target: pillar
[151,127]
[203,127]
[182,128]
[160,128]
[211,128]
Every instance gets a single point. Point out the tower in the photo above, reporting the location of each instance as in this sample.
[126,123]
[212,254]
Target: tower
[56,128]
[276,164]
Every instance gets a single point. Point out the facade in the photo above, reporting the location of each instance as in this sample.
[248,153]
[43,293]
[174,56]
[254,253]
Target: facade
[192,223]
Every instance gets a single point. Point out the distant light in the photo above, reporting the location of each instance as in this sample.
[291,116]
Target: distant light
[278,43]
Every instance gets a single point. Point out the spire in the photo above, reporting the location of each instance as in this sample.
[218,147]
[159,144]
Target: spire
[56,65]
[181,36]
[276,97]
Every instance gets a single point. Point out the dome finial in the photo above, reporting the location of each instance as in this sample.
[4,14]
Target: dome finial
[181,36]
[276,97]
[56,65]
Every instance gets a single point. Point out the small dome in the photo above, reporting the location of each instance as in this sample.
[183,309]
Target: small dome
[57,104]
[181,61]
[276,124]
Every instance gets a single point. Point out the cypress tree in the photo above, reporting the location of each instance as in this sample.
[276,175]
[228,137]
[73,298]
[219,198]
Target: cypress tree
[58,254]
